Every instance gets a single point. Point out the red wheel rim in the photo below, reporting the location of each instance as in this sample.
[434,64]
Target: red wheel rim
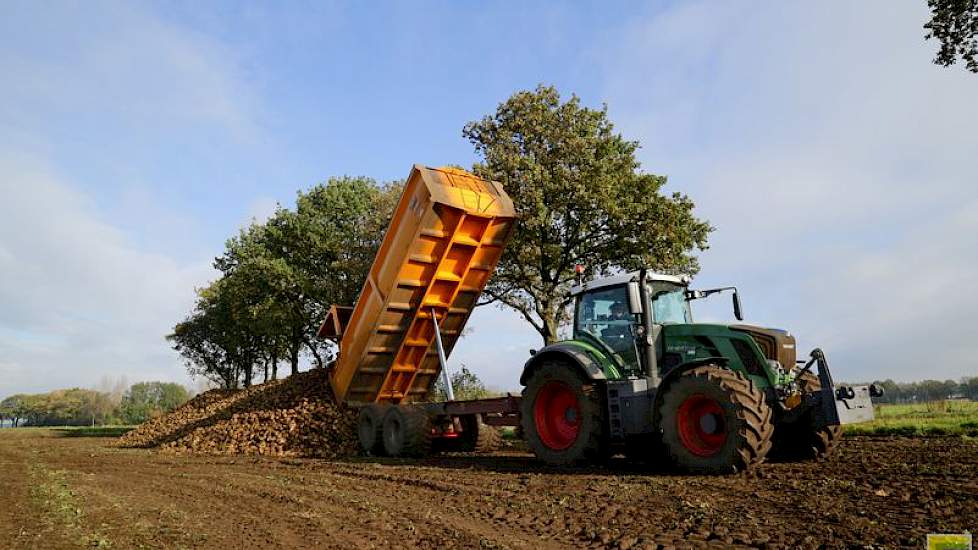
[702,429]
[557,415]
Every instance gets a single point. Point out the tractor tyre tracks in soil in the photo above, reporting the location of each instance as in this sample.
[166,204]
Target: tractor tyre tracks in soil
[879,491]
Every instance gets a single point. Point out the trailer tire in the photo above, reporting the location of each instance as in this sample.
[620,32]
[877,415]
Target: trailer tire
[802,439]
[563,415]
[407,432]
[477,436]
[370,428]
[715,421]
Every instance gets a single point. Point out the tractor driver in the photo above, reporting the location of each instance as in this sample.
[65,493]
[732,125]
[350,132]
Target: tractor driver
[618,331]
[618,334]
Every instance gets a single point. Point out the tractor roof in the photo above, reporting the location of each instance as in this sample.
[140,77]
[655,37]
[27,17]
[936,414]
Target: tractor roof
[623,278]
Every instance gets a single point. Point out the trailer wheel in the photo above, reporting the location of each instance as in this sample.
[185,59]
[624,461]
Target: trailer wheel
[370,428]
[563,416]
[802,439]
[407,432]
[477,436]
[715,421]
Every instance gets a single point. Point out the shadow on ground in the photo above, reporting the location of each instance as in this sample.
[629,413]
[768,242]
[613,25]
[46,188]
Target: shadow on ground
[98,431]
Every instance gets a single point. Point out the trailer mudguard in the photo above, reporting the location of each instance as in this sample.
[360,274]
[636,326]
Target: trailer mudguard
[576,353]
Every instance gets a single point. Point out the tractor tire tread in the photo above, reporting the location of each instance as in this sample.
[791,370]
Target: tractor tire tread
[802,441]
[756,428]
[595,449]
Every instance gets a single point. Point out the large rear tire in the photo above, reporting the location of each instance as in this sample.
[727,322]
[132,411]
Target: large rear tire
[803,439]
[407,432]
[563,416]
[715,421]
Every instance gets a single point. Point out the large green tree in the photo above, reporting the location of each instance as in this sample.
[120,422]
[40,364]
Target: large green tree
[325,248]
[148,399]
[954,23]
[279,278]
[209,339]
[581,198]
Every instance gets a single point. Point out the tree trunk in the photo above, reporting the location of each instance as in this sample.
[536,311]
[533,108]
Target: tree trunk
[294,359]
[315,354]
[265,377]
[550,330]
[274,367]
[550,320]
[230,379]
[249,372]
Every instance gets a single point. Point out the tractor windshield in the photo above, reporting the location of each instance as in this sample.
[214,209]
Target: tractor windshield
[669,304]
[603,316]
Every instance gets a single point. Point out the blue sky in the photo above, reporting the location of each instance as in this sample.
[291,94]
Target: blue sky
[837,163]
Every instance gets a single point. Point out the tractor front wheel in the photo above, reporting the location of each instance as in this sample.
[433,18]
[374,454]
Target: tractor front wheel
[804,439]
[715,421]
[563,416]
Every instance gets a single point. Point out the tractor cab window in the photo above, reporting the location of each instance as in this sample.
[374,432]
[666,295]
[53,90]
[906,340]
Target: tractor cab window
[669,304]
[603,315]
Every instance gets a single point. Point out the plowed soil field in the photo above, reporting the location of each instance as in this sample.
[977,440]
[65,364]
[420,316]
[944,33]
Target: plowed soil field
[63,492]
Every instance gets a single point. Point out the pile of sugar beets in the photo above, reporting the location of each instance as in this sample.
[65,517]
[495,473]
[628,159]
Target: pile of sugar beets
[295,416]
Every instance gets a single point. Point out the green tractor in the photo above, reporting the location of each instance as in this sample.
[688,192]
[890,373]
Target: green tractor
[641,378]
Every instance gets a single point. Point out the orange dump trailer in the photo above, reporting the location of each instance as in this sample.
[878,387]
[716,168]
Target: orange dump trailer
[443,243]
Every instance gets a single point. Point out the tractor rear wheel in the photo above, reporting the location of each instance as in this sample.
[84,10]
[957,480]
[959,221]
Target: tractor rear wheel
[563,415]
[803,439]
[715,421]
[370,428]
[407,432]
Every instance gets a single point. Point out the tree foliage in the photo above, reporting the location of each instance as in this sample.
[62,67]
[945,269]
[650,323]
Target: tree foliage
[928,390]
[82,407]
[581,199]
[279,278]
[954,23]
[148,399]
[465,384]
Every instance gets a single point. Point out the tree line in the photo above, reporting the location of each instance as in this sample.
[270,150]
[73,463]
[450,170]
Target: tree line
[85,407]
[580,194]
[928,390]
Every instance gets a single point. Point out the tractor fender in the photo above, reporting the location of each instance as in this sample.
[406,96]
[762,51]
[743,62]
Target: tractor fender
[584,363]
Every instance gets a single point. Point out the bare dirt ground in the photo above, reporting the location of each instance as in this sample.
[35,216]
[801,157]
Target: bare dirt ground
[64,492]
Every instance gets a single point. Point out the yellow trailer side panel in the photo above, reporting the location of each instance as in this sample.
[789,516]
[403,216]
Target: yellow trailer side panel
[445,238]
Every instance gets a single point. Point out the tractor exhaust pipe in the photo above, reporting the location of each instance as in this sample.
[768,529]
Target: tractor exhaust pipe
[648,333]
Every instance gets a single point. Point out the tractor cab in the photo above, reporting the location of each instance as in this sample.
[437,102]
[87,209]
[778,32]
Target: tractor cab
[608,314]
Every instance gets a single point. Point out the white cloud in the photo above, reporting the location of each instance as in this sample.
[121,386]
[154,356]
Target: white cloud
[102,100]
[260,210]
[120,66]
[837,163]
[79,300]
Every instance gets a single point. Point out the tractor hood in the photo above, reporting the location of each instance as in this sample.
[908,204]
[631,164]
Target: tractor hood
[775,343]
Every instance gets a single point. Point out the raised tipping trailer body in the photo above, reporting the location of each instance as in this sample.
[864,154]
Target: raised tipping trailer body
[447,233]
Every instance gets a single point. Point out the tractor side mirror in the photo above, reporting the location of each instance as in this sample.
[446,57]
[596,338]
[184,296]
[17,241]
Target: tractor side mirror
[634,298]
[738,311]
